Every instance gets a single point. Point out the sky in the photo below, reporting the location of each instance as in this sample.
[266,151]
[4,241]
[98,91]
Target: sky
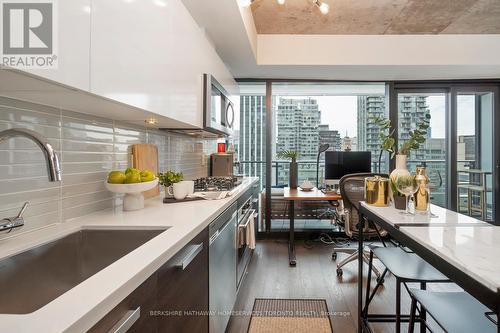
[340,112]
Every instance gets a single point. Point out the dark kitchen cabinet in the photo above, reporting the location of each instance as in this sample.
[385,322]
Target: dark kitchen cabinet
[173,299]
[142,298]
[184,290]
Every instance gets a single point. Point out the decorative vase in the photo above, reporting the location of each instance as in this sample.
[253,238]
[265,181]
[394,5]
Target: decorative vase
[294,174]
[422,197]
[401,170]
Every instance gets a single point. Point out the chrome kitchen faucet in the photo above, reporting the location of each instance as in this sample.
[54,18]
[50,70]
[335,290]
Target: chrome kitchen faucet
[51,159]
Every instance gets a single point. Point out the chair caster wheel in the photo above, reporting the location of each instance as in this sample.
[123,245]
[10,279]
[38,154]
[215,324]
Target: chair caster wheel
[334,256]
[381,281]
[339,272]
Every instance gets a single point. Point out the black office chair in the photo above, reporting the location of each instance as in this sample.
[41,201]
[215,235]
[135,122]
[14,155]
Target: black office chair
[454,312]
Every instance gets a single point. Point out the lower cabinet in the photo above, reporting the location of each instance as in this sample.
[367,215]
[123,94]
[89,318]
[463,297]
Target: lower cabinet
[173,299]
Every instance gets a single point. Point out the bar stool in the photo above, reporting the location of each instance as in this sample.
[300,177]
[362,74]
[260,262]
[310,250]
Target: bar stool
[454,312]
[407,267]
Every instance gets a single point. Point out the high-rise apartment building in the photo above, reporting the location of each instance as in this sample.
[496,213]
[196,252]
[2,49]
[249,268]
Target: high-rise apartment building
[369,108]
[298,123]
[252,139]
[330,136]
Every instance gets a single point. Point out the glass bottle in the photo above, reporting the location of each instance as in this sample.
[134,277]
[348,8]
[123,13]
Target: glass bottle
[422,196]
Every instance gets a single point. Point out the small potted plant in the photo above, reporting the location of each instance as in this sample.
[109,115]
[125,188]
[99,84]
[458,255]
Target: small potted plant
[294,172]
[169,178]
[388,143]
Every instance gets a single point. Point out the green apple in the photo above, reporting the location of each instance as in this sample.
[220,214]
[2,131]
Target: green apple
[132,170]
[116,177]
[132,178]
[147,176]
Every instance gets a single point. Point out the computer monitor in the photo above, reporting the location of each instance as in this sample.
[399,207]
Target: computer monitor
[341,163]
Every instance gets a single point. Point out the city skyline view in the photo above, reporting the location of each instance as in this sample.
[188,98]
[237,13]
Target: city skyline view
[335,108]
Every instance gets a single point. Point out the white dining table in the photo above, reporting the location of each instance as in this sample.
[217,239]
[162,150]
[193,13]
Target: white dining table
[461,247]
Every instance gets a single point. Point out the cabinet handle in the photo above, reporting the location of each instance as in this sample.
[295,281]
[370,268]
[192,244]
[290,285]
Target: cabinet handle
[192,253]
[127,321]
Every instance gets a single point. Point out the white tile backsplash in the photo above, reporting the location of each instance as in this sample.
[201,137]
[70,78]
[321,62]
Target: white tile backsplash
[89,147]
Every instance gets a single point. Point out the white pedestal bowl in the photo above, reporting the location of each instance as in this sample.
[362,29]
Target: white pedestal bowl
[133,199]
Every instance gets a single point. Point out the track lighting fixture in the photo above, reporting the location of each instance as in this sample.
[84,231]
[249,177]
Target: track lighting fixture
[323,6]
[246,3]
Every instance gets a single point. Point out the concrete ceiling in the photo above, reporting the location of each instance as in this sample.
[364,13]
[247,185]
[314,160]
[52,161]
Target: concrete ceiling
[377,17]
[247,54]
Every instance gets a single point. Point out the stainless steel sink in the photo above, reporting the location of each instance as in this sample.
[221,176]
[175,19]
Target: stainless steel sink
[33,278]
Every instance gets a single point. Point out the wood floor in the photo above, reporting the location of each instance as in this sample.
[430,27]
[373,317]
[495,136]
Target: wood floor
[270,276]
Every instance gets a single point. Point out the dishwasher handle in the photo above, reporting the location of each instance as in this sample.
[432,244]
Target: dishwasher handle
[192,252]
[216,234]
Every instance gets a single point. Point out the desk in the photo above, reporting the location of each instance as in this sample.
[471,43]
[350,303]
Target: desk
[463,248]
[297,194]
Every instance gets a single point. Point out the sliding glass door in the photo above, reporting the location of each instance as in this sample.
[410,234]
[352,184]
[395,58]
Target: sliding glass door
[413,107]
[475,151]
[460,147]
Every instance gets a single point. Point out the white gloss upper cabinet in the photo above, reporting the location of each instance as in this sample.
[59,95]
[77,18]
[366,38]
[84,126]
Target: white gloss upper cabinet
[73,53]
[151,54]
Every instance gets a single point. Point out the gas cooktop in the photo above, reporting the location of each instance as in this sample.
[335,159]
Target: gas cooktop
[216,184]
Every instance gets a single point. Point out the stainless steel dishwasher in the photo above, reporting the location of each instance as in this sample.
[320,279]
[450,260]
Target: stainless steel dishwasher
[222,268]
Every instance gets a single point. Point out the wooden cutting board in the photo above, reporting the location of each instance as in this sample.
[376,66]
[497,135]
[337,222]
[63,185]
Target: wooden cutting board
[145,156]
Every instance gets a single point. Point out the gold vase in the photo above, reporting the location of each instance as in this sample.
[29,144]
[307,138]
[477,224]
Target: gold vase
[422,196]
[377,191]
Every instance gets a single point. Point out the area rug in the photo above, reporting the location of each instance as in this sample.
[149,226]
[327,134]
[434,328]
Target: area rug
[290,315]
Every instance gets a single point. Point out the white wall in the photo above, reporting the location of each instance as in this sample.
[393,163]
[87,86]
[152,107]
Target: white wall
[378,50]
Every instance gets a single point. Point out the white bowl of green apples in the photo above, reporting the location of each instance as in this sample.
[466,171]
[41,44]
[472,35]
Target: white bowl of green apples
[131,182]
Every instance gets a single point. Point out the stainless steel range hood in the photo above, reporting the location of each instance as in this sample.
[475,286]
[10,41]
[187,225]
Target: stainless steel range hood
[194,132]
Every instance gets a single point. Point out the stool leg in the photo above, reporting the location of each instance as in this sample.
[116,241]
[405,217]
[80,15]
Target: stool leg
[423,313]
[368,284]
[398,306]
[413,311]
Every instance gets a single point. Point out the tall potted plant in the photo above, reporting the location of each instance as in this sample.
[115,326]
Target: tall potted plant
[388,143]
[294,172]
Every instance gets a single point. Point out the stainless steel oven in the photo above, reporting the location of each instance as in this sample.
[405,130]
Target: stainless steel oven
[217,106]
[246,214]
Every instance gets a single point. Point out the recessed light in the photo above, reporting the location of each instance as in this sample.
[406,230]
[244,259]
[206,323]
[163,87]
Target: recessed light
[280,2]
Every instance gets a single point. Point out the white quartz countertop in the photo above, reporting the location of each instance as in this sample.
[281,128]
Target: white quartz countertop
[441,217]
[84,305]
[474,250]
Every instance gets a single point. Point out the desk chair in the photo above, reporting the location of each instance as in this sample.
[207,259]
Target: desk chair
[352,190]
[456,312]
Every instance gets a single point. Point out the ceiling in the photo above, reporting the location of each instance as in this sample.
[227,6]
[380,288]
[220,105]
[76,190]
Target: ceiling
[231,28]
[378,17]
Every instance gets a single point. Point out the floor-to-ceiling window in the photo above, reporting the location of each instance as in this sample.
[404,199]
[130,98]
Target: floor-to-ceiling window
[459,151]
[475,152]
[413,108]
[307,115]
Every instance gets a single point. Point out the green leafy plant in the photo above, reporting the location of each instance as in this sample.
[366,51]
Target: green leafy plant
[288,154]
[386,136]
[170,177]
[388,143]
